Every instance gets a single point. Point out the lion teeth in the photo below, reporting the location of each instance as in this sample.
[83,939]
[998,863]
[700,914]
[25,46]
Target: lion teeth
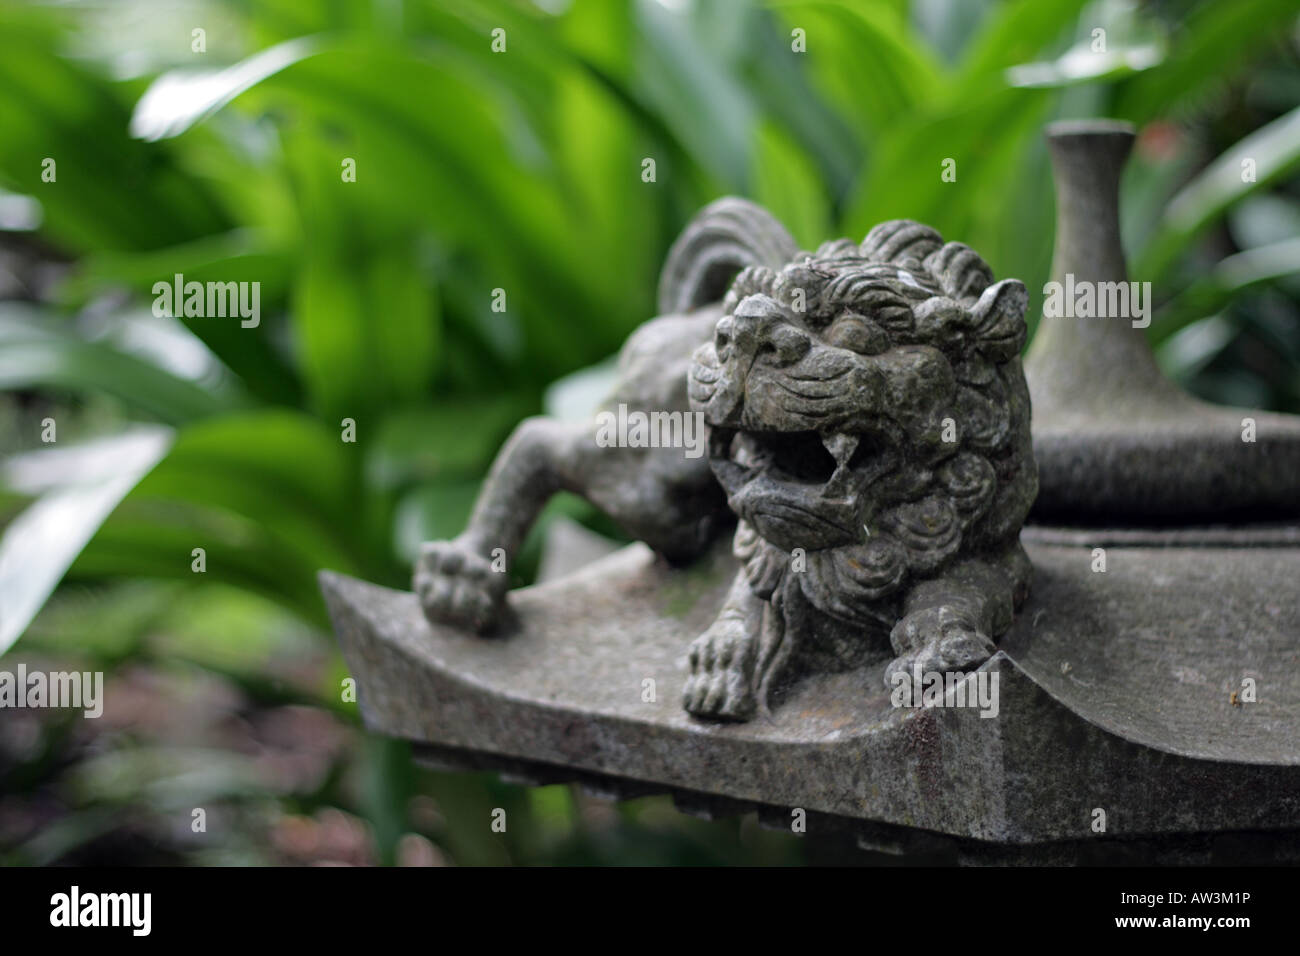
[840,446]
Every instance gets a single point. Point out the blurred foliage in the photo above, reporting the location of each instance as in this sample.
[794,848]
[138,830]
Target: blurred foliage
[520,171]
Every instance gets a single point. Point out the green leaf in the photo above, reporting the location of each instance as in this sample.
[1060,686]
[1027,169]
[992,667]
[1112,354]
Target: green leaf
[866,58]
[985,139]
[1012,33]
[455,438]
[787,185]
[367,330]
[81,486]
[676,67]
[272,497]
[241,256]
[180,98]
[787,93]
[121,194]
[1270,153]
[1214,41]
[1081,64]
[473,187]
[287,460]
[1226,280]
[33,356]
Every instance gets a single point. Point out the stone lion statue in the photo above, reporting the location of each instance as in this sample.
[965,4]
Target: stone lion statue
[867,423]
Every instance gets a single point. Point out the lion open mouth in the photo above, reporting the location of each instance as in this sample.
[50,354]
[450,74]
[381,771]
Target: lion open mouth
[799,457]
[798,488]
[807,458]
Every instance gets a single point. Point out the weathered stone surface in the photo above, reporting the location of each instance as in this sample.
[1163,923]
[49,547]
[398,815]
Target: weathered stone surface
[1163,691]
[867,422]
[1115,692]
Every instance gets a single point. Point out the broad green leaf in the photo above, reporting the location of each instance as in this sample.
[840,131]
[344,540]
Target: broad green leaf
[156,539]
[455,438]
[78,488]
[1254,162]
[272,497]
[983,141]
[1213,42]
[947,25]
[786,90]
[250,351]
[180,98]
[366,329]
[33,356]
[787,185]
[673,66]
[1227,279]
[1013,32]
[446,162]
[866,59]
[289,460]
[1082,64]
[120,194]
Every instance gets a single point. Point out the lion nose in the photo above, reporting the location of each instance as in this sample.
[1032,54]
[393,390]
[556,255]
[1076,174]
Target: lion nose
[758,330]
[753,319]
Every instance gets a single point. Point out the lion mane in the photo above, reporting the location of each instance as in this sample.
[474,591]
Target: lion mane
[923,350]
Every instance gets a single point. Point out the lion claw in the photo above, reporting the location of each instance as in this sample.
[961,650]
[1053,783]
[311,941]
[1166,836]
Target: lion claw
[941,641]
[457,586]
[722,672]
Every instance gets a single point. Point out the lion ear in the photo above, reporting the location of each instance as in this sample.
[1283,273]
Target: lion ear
[1000,319]
[961,272]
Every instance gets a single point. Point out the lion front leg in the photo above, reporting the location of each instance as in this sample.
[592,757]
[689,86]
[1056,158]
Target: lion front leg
[725,672]
[464,581]
[670,501]
[949,622]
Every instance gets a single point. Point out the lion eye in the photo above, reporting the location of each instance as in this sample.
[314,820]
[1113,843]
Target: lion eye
[722,339]
[858,334]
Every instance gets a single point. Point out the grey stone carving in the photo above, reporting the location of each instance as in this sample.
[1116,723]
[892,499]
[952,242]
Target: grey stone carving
[1162,693]
[867,423]
[1115,440]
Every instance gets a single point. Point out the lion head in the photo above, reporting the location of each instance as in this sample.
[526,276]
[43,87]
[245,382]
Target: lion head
[866,404]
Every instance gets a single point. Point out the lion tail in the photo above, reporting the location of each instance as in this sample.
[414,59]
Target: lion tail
[727,236]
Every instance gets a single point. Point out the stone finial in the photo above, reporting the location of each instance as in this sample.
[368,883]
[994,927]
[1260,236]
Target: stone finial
[1116,442]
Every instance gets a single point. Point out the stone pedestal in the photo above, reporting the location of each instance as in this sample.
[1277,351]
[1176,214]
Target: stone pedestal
[1115,691]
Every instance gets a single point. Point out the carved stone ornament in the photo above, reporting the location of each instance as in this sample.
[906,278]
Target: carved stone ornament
[856,422]
[867,424]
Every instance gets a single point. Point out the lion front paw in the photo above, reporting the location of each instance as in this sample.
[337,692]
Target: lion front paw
[937,640]
[721,685]
[456,585]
